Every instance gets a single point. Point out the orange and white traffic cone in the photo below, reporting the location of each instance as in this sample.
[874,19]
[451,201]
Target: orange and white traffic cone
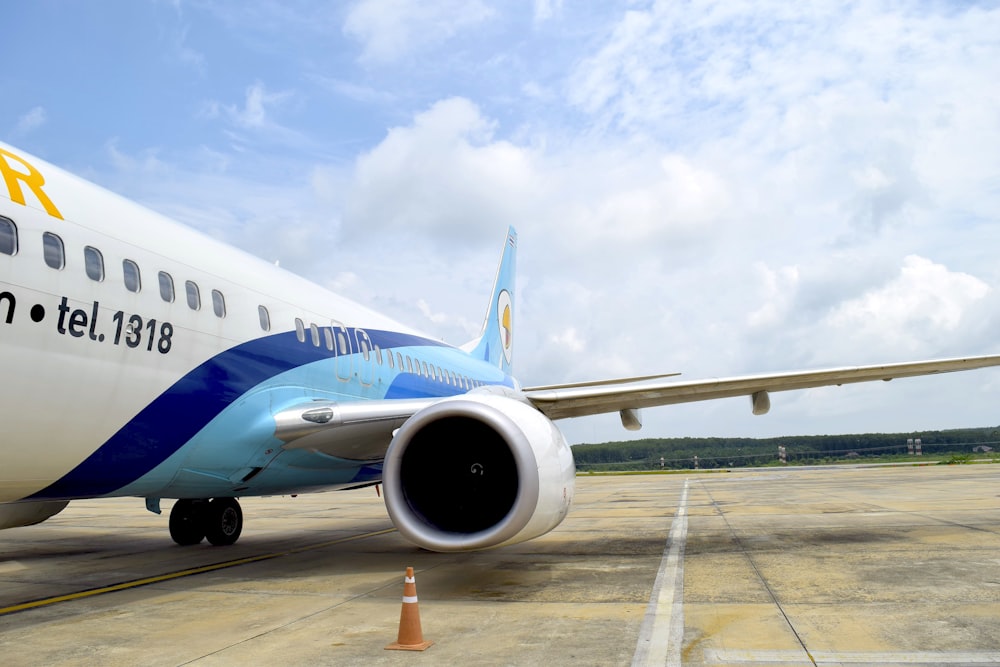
[410,637]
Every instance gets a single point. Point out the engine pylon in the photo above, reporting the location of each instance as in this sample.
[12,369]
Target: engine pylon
[410,637]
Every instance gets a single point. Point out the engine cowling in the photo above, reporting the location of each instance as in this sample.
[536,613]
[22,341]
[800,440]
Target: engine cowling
[475,472]
[14,515]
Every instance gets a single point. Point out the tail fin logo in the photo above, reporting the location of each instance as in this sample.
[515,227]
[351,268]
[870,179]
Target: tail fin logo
[505,323]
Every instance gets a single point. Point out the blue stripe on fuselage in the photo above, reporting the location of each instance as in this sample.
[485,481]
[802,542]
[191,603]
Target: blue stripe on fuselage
[174,417]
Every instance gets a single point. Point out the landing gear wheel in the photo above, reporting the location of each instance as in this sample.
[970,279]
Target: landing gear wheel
[187,526]
[223,521]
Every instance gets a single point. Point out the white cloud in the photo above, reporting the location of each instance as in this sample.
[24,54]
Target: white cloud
[354,91]
[254,113]
[255,122]
[185,54]
[778,291]
[343,281]
[923,291]
[675,194]
[30,121]
[147,163]
[815,99]
[392,29]
[569,339]
[443,175]
[547,9]
[439,320]
[925,301]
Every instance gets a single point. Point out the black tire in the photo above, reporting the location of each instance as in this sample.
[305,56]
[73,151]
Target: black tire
[223,521]
[187,526]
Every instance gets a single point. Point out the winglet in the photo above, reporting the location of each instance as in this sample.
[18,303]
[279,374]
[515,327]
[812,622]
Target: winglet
[496,342]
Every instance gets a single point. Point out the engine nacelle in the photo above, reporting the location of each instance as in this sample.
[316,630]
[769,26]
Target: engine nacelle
[477,471]
[13,515]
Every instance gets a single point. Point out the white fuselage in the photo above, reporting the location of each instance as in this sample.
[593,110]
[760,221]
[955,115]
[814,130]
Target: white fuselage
[112,387]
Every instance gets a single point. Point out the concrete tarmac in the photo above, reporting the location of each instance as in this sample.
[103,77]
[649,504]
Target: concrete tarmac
[844,566]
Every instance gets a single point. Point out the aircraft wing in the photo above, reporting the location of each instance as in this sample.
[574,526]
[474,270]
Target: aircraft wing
[581,399]
[362,431]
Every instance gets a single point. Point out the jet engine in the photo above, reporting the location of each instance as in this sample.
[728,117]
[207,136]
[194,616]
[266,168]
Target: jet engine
[477,471]
[13,515]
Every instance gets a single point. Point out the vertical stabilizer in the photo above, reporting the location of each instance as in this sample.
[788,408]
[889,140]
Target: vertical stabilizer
[496,342]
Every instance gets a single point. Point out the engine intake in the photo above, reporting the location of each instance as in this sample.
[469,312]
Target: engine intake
[475,472]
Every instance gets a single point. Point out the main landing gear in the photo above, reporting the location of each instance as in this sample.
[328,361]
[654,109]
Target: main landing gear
[219,519]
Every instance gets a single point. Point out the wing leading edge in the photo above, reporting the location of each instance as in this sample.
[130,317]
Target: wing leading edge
[601,397]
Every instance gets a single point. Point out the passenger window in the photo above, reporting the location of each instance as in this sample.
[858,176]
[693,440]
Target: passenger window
[265,318]
[8,236]
[193,295]
[300,330]
[131,271]
[53,251]
[378,355]
[94,262]
[218,303]
[166,287]
[314,330]
[328,335]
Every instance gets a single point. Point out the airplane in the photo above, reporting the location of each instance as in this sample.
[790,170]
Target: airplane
[141,358]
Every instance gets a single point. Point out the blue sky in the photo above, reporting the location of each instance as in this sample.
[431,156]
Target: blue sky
[716,188]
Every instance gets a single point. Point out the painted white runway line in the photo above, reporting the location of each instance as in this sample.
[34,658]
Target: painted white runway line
[662,631]
[880,658]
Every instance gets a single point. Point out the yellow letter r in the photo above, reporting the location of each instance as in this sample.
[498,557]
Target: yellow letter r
[31,177]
